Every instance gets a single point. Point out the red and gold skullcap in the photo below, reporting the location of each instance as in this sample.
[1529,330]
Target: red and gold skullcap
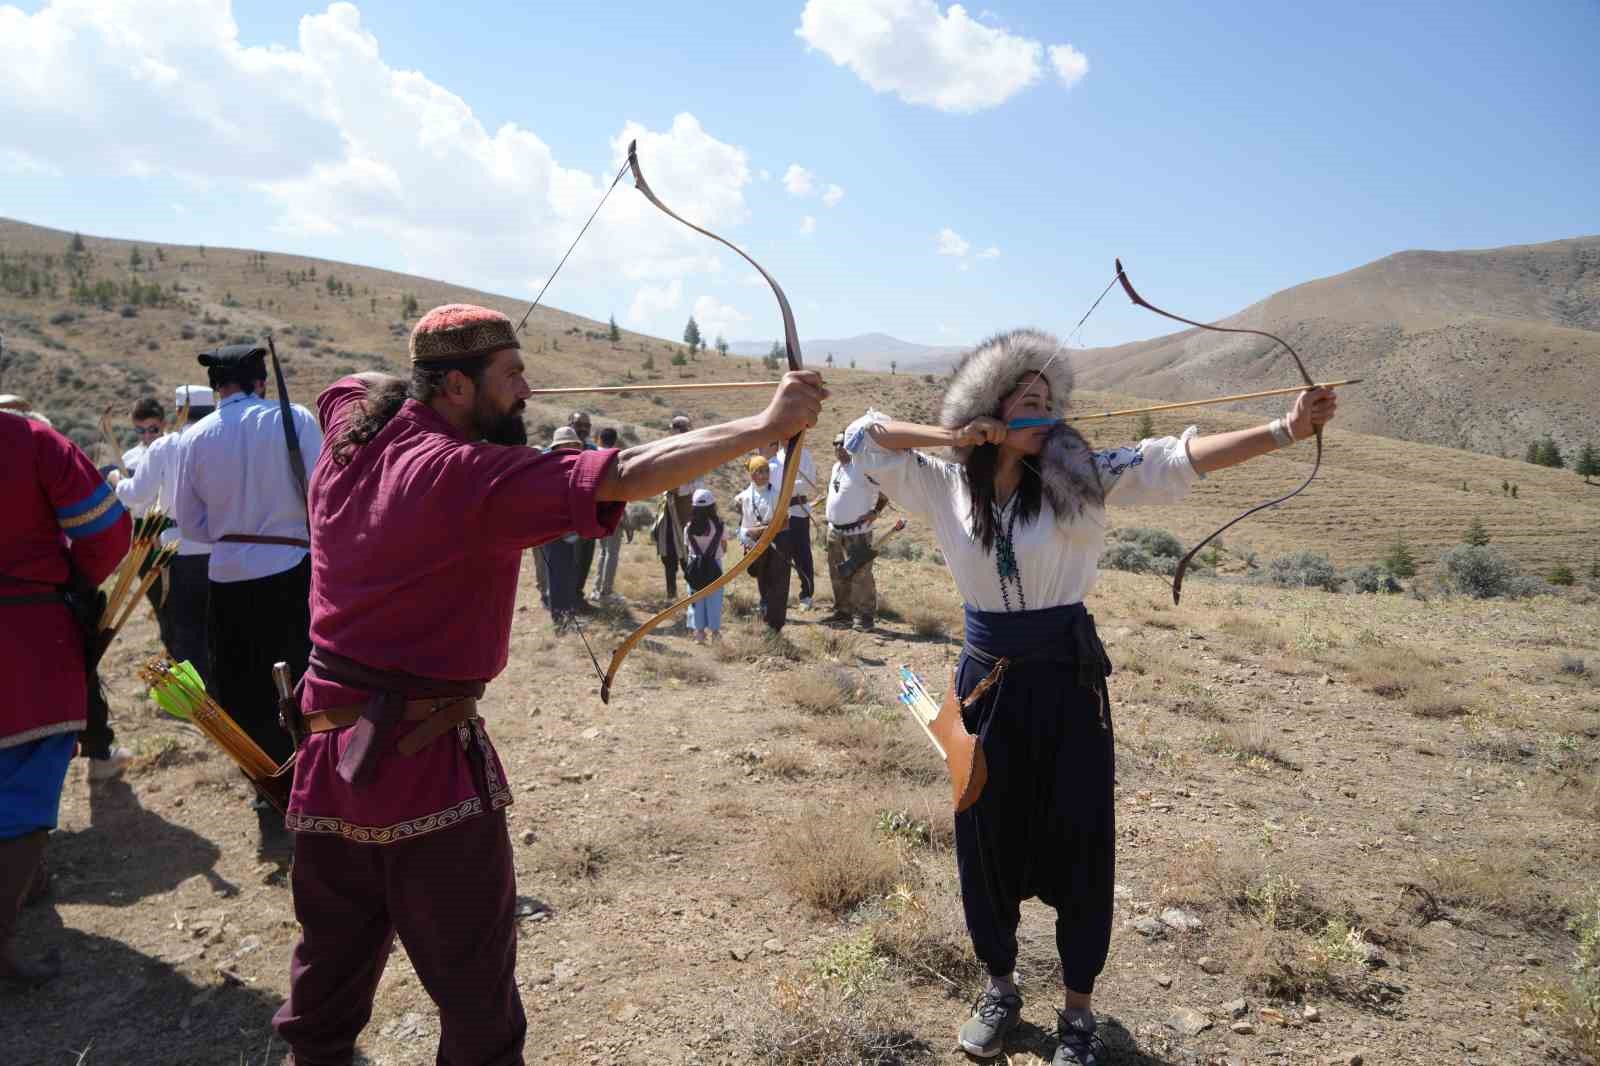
[460,331]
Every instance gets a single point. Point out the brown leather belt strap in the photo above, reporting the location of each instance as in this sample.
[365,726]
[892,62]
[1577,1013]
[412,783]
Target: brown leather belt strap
[252,538]
[438,716]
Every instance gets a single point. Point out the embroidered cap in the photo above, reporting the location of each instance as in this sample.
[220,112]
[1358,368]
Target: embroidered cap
[460,331]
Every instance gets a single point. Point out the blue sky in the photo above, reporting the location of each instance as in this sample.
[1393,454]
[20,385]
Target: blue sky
[1224,151]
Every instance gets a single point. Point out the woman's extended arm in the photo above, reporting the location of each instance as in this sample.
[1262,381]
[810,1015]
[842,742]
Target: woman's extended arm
[1216,451]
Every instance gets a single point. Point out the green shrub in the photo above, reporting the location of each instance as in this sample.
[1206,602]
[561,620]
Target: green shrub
[1481,572]
[1561,574]
[1373,578]
[1123,555]
[1157,542]
[1303,570]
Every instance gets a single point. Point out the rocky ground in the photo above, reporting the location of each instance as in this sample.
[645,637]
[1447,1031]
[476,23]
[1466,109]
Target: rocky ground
[1348,826]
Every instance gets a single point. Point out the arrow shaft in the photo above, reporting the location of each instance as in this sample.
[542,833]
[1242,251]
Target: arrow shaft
[704,386]
[1028,423]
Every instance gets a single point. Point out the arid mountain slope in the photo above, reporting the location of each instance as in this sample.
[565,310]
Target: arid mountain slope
[1477,350]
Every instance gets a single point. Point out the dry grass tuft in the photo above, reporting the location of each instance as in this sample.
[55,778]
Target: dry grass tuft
[754,644]
[1254,746]
[925,934]
[879,749]
[788,764]
[825,688]
[819,1025]
[1505,879]
[833,860]
[833,644]
[1430,699]
[678,667]
[927,622]
[572,858]
[1391,672]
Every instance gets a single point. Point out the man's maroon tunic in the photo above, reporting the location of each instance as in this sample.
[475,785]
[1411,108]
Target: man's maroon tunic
[416,545]
[416,548]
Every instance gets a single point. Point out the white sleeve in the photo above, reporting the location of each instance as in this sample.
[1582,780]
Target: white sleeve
[1157,470]
[142,488]
[915,481]
[745,518]
[188,509]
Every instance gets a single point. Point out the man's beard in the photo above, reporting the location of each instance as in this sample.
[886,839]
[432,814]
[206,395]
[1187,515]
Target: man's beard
[501,427]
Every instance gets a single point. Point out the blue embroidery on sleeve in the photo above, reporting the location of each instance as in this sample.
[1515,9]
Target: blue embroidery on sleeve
[1117,461]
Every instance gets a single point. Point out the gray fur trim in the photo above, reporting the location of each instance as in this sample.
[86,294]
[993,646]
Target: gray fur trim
[991,370]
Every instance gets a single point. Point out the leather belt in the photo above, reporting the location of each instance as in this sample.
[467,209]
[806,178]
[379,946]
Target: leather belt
[253,538]
[438,717]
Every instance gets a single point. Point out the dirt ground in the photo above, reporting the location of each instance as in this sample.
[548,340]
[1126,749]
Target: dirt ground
[1369,819]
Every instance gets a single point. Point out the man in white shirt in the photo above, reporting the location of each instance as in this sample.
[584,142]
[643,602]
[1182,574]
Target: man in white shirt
[854,503]
[238,490]
[149,422]
[181,596]
[805,493]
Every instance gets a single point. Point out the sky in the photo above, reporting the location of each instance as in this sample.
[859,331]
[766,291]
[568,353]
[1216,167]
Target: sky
[932,171]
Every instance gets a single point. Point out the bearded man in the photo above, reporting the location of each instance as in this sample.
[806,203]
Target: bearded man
[420,514]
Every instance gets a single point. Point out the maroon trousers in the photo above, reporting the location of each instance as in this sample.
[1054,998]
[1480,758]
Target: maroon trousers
[451,897]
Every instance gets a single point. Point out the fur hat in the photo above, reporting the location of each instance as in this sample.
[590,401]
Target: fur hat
[994,368]
[461,331]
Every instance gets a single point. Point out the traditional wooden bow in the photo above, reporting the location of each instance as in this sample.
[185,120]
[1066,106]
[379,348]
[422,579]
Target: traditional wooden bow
[791,338]
[791,466]
[1183,564]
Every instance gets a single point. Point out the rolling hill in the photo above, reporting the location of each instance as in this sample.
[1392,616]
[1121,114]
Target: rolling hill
[72,357]
[1477,350]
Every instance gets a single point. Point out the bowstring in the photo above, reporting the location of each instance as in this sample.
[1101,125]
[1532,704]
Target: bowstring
[524,320]
[577,626]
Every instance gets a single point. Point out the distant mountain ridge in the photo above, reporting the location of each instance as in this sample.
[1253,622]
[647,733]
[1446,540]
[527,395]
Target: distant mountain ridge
[1478,350]
[871,351]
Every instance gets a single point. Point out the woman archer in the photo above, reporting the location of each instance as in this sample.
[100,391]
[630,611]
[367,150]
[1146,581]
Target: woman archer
[1021,518]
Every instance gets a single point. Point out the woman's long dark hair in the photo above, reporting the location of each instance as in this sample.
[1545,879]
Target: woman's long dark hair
[384,401]
[980,467]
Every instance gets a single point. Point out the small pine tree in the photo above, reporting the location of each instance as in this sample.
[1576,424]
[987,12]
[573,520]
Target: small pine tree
[1476,534]
[1550,454]
[1463,484]
[135,260]
[1588,464]
[1145,427]
[408,306]
[612,332]
[852,362]
[1505,487]
[649,363]
[1513,492]
[893,366]
[1561,574]
[1532,454]
[691,334]
[829,360]
[722,346]
[1594,566]
[1400,562]
[77,246]
[680,359]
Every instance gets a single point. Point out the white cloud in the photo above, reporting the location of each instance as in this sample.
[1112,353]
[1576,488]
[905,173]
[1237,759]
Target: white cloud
[16,161]
[334,141]
[717,319]
[942,59]
[990,252]
[799,181]
[950,243]
[1071,65]
[649,301]
[808,225]
[764,174]
[832,196]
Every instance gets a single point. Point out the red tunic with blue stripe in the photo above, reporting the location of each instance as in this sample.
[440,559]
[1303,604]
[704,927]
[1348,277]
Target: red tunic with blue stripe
[57,506]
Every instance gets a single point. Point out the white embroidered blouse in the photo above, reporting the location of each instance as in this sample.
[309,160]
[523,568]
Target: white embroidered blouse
[1055,563]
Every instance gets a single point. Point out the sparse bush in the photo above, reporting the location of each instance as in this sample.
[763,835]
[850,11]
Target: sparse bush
[1135,559]
[1582,1014]
[833,861]
[821,689]
[1481,572]
[814,1025]
[1372,578]
[1303,570]
[1157,542]
[1561,574]
[1572,664]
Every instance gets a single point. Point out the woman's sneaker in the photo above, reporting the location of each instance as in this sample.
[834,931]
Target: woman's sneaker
[1079,1045]
[994,1016]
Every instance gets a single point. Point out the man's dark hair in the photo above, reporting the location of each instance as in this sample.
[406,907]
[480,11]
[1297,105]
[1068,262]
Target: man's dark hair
[148,407]
[608,437]
[383,402]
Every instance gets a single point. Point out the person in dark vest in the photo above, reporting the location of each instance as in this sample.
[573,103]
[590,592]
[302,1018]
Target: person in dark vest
[239,491]
[62,532]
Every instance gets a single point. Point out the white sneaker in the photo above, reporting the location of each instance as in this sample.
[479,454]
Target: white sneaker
[111,766]
[805,604]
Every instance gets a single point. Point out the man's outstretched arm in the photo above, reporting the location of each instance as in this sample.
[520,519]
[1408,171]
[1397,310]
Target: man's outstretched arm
[651,469]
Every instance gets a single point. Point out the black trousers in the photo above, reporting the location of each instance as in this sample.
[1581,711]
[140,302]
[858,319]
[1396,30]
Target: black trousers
[1045,825]
[800,551]
[253,624]
[669,567]
[585,563]
[772,581]
[183,616]
[561,561]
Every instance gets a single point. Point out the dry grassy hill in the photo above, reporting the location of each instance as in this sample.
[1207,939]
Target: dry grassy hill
[1479,350]
[72,358]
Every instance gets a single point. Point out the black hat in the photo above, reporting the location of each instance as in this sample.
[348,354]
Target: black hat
[235,357]
[235,364]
